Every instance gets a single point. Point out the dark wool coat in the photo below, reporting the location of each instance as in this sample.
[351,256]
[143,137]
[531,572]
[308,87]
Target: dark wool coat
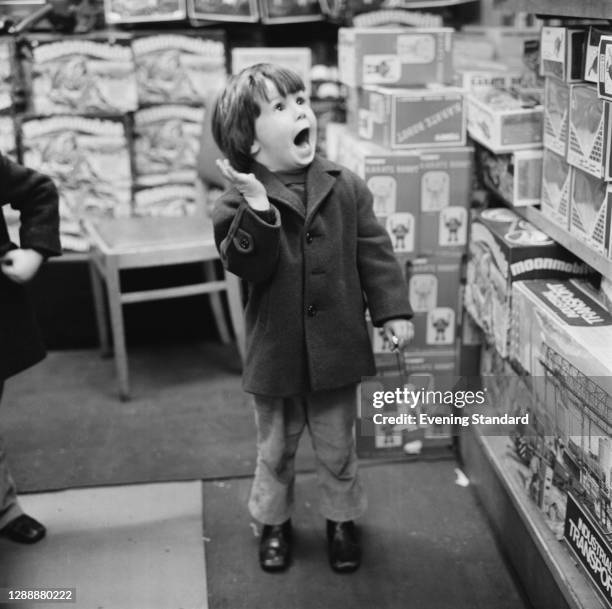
[311,272]
[35,196]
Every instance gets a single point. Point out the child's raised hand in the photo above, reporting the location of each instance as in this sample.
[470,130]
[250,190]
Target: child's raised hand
[399,332]
[247,184]
[20,265]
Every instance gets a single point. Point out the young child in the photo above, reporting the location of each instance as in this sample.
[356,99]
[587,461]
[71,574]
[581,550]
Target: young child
[35,196]
[300,230]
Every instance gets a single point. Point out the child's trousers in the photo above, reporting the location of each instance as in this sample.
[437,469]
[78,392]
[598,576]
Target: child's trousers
[9,507]
[330,417]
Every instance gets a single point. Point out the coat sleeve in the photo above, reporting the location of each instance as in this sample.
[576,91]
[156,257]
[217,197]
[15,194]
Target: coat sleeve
[248,241]
[381,276]
[35,196]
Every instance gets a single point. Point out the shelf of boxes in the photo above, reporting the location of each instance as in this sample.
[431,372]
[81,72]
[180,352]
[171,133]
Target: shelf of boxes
[587,9]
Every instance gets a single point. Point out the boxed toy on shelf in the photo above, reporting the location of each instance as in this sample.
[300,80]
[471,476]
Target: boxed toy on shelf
[223,10]
[516,177]
[406,118]
[493,77]
[563,336]
[604,74]
[586,144]
[503,121]
[405,427]
[166,144]
[562,52]
[556,115]
[90,74]
[143,11]
[556,183]
[590,210]
[88,158]
[591,54]
[395,56]
[445,195]
[179,68]
[505,248]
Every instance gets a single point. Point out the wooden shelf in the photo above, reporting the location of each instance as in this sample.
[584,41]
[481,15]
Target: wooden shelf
[599,262]
[583,9]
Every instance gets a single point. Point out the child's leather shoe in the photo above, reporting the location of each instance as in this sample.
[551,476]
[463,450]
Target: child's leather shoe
[275,546]
[343,546]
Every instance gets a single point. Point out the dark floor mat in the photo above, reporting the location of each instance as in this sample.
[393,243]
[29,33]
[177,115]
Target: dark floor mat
[65,427]
[426,545]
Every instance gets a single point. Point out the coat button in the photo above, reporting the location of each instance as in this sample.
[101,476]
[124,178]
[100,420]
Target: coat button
[244,243]
[309,238]
[311,311]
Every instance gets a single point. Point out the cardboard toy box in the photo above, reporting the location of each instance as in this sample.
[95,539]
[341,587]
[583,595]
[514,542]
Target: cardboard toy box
[590,211]
[604,74]
[221,10]
[586,145]
[516,176]
[395,56]
[503,249]
[89,74]
[88,158]
[412,118]
[424,371]
[119,11]
[298,59]
[392,177]
[434,288]
[556,115]
[166,200]
[591,54]
[446,181]
[166,143]
[179,68]
[562,52]
[479,79]
[556,183]
[502,121]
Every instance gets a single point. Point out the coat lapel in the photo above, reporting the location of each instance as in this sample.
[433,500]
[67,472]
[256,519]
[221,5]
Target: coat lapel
[319,181]
[277,191]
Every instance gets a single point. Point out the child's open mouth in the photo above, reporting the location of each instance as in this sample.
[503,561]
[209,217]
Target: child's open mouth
[302,138]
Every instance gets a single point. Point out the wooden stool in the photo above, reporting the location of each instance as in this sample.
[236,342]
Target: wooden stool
[129,243]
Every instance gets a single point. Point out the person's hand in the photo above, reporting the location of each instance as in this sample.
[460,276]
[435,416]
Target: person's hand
[247,184]
[20,265]
[399,332]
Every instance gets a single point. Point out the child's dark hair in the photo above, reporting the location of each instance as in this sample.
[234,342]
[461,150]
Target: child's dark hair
[235,111]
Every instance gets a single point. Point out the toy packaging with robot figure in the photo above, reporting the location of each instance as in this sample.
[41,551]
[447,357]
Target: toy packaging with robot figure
[591,54]
[92,74]
[505,248]
[556,181]
[445,176]
[179,68]
[562,52]
[395,56]
[419,117]
[503,121]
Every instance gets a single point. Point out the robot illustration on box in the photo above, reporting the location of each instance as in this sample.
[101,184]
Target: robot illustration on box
[423,292]
[453,219]
[383,189]
[400,227]
[435,191]
[441,322]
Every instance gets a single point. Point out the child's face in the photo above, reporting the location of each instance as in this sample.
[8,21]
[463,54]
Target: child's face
[285,131]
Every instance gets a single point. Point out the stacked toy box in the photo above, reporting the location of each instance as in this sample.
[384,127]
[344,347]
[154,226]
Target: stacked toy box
[406,137]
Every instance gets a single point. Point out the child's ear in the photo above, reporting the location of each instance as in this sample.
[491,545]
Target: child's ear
[255,147]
